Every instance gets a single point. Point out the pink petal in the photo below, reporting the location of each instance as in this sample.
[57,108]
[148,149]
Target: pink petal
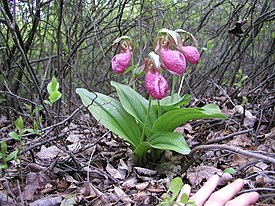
[156,84]
[191,54]
[120,62]
[173,60]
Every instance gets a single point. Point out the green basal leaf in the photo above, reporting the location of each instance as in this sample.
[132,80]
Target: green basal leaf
[109,112]
[3,166]
[175,187]
[12,155]
[55,96]
[53,85]
[178,101]
[171,33]
[135,104]
[3,147]
[19,123]
[15,136]
[174,118]
[142,149]
[169,141]
[230,170]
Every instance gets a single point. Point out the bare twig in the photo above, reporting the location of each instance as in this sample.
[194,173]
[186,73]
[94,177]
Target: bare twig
[227,137]
[234,150]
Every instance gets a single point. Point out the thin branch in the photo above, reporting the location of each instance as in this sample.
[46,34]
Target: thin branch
[227,137]
[234,150]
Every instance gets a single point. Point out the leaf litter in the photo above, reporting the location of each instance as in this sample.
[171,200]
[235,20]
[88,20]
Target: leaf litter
[92,166]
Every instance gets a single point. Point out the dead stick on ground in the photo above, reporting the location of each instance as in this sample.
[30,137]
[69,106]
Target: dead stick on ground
[233,149]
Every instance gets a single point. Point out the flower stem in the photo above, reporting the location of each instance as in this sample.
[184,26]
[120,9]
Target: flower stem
[181,83]
[146,120]
[159,109]
[133,72]
[173,88]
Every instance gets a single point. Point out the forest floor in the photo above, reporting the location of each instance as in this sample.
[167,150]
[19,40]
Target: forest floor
[81,163]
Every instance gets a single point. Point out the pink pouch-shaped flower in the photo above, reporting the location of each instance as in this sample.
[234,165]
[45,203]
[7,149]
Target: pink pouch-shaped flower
[156,84]
[120,62]
[191,54]
[173,60]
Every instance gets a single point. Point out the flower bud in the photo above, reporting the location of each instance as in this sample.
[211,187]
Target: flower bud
[173,60]
[191,54]
[156,84]
[120,62]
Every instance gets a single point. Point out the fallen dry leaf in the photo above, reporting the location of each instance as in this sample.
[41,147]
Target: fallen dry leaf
[49,153]
[49,201]
[198,175]
[36,182]
[241,140]
[123,168]
[185,129]
[115,173]
[87,190]
[122,195]
[259,167]
[144,171]
[142,186]
[249,119]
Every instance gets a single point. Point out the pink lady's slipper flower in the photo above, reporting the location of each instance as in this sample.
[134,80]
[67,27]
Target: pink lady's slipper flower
[156,84]
[173,60]
[120,62]
[191,54]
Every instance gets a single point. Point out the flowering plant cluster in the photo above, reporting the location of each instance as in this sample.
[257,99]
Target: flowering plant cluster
[148,125]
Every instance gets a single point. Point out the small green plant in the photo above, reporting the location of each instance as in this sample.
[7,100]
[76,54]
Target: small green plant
[172,195]
[16,136]
[240,78]
[54,93]
[148,125]
[230,170]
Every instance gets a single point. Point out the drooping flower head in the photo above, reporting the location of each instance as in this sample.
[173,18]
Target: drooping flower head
[191,54]
[120,62]
[156,84]
[173,60]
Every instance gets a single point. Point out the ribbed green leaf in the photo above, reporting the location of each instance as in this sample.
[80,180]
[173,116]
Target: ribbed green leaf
[53,85]
[142,149]
[135,104]
[4,147]
[15,136]
[12,155]
[167,104]
[55,96]
[109,112]
[19,123]
[174,118]
[169,141]
[175,187]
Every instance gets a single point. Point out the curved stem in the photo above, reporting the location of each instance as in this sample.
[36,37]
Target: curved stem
[181,83]
[159,109]
[146,120]
[173,88]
